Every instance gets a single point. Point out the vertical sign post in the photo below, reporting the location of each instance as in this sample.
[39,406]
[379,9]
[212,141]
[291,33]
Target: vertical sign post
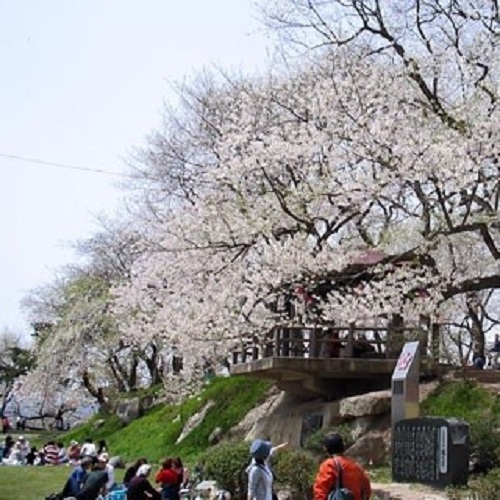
[405,384]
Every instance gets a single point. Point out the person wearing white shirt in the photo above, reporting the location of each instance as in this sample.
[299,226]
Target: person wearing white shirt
[88,449]
[103,458]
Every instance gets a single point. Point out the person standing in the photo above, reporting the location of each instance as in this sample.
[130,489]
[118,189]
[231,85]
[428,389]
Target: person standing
[5,424]
[260,476]
[353,476]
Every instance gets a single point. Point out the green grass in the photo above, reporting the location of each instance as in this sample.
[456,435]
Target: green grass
[154,435]
[31,483]
[462,400]
[35,483]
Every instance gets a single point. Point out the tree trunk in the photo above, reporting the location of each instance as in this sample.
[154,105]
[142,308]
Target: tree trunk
[476,328]
[117,373]
[152,365]
[95,392]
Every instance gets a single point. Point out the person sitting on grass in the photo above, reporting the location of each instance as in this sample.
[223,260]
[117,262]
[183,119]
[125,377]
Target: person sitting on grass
[15,456]
[62,456]
[140,488]
[77,478]
[51,453]
[88,449]
[168,478]
[95,484]
[32,456]
[6,447]
[104,459]
[73,452]
[132,470]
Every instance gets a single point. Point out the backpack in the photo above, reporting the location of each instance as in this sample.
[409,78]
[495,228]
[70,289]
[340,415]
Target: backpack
[339,492]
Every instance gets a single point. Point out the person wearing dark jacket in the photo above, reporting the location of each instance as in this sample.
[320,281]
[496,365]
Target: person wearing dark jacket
[94,484]
[140,488]
[132,470]
[77,478]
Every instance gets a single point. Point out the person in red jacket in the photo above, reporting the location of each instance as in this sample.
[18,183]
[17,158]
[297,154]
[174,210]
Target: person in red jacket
[353,475]
[168,478]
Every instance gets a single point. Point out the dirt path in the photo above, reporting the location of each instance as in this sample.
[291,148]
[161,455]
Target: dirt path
[402,491]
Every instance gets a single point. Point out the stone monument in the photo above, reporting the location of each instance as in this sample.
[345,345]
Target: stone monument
[431,450]
[405,384]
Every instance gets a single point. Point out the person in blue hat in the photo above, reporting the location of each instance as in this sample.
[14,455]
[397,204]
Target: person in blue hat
[260,476]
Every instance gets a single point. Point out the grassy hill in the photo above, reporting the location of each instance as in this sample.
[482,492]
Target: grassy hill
[154,435]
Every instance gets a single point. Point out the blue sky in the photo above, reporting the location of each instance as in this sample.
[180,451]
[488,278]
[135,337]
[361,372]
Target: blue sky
[84,81]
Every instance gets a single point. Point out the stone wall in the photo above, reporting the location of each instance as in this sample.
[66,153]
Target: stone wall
[284,417]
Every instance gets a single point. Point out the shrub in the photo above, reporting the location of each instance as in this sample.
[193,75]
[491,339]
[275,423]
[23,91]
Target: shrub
[226,463]
[475,405]
[485,441]
[296,469]
[314,443]
[484,487]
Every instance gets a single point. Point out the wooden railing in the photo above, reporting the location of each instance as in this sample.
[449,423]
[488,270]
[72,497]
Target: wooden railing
[320,342]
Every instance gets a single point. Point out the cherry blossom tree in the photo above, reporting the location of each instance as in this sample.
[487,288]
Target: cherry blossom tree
[16,360]
[80,345]
[293,176]
[359,179]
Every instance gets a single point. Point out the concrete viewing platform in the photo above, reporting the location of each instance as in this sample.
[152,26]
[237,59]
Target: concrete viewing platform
[328,377]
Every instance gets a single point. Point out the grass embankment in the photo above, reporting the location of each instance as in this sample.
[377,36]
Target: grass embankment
[154,435]
[464,400]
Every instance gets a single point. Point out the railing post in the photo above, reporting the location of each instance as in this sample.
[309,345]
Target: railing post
[350,341]
[255,351]
[313,342]
[435,342]
[277,339]
[285,341]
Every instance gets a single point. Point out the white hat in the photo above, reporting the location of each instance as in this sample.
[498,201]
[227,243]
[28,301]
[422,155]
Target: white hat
[143,470]
[103,457]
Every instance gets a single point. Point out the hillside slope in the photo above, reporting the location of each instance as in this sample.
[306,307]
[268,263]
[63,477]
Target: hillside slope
[226,400]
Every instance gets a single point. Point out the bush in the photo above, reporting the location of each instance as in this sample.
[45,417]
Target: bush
[296,469]
[314,443]
[485,441]
[482,488]
[475,405]
[226,463]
